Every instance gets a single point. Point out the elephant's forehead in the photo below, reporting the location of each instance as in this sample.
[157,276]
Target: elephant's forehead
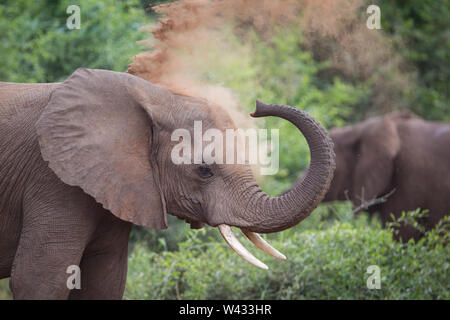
[212,115]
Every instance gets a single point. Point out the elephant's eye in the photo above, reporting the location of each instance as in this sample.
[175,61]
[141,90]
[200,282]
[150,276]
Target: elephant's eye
[205,171]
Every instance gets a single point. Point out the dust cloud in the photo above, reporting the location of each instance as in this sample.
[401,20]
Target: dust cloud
[190,30]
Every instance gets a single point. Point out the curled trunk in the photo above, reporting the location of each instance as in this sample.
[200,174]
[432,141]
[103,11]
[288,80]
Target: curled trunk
[271,214]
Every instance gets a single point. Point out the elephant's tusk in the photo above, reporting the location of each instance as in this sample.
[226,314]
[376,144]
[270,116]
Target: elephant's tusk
[263,245]
[233,242]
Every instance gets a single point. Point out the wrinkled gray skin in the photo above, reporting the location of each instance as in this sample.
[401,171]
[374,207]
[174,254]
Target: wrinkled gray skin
[397,151]
[83,160]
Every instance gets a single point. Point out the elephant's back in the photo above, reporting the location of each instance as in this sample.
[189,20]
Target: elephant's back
[423,163]
[427,137]
[20,107]
[19,98]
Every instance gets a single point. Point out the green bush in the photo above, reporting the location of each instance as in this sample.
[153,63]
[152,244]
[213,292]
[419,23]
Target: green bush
[421,33]
[327,263]
[36,45]
[328,255]
[5,293]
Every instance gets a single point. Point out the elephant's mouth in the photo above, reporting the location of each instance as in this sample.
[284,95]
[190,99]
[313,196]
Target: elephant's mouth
[194,224]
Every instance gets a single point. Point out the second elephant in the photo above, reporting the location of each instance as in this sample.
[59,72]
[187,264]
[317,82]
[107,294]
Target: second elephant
[400,153]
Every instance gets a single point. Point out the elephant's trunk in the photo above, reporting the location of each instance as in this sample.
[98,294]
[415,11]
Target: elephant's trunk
[272,214]
[265,214]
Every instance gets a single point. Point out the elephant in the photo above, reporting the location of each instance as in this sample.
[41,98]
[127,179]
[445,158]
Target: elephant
[399,159]
[83,160]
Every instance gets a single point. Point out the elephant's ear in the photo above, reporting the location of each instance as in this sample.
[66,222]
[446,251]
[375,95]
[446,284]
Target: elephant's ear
[378,146]
[96,135]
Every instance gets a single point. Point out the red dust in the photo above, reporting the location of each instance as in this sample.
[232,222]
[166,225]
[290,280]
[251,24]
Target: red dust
[334,30]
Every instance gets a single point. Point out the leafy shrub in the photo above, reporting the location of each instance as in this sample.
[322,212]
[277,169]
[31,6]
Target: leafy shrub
[5,293]
[37,46]
[328,263]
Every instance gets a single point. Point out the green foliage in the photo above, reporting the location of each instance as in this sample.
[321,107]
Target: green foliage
[166,240]
[5,293]
[36,45]
[415,219]
[327,263]
[421,32]
[328,256]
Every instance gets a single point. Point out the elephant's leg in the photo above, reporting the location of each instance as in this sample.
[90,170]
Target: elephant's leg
[58,223]
[104,262]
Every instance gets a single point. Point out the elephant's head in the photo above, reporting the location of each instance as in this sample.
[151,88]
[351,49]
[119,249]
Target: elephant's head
[110,134]
[365,155]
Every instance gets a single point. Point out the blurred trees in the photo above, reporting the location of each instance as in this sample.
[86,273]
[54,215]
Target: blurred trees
[36,45]
[421,31]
